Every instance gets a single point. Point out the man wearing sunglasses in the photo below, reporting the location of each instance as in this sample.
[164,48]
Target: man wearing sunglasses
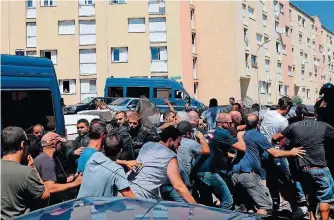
[21,186]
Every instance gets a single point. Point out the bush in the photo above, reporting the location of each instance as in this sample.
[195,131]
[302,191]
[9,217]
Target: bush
[296,100]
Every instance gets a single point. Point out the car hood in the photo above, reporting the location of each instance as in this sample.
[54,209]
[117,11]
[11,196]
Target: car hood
[126,208]
[118,108]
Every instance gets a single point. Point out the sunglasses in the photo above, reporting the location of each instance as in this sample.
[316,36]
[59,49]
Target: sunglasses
[80,127]
[133,123]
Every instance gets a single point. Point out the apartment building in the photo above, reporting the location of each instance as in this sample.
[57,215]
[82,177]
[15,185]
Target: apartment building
[256,49]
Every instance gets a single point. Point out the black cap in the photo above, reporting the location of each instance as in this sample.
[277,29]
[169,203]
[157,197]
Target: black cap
[184,127]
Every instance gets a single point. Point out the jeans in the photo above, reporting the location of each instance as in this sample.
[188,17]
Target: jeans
[299,191]
[212,183]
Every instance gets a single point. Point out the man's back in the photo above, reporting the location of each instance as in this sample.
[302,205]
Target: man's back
[272,123]
[256,144]
[102,177]
[155,158]
[310,135]
[20,186]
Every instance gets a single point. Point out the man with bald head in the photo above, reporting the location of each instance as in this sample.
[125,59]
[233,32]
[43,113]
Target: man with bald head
[236,118]
[194,121]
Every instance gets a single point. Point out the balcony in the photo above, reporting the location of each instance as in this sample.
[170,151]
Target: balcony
[159,66]
[156,7]
[86,10]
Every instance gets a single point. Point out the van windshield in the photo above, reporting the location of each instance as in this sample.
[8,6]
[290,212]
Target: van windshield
[27,108]
[120,102]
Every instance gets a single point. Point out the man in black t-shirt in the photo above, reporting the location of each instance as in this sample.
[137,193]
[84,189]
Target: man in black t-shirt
[314,173]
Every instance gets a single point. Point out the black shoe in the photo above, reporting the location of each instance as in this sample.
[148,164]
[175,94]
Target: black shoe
[298,214]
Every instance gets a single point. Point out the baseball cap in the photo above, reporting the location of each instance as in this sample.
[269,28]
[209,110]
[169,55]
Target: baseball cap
[52,138]
[184,127]
[223,136]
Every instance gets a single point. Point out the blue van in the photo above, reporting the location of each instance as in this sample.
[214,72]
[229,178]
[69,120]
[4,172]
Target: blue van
[155,89]
[30,94]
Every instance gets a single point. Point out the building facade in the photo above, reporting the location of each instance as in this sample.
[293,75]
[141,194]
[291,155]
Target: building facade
[256,49]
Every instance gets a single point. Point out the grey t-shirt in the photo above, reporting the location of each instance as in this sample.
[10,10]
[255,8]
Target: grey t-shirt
[102,177]
[46,167]
[20,187]
[155,158]
[186,154]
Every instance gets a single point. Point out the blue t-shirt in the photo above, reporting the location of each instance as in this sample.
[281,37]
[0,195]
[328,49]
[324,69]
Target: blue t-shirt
[256,144]
[86,154]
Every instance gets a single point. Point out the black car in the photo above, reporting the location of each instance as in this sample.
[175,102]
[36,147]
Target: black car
[86,104]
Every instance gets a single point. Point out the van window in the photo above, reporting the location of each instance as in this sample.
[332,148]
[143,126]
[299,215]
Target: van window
[161,93]
[178,94]
[136,92]
[27,108]
[115,92]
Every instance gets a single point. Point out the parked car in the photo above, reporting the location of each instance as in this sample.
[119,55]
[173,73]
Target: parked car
[123,104]
[86,104]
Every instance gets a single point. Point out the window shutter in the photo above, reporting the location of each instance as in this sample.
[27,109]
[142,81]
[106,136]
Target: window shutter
[163,53]
[61,86]
[72,86]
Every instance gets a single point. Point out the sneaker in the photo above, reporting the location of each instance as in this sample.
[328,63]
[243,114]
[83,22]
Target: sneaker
[284,205]
[298,214]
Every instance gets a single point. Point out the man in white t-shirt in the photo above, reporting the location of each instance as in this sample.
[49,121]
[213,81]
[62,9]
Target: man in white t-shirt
[274,122]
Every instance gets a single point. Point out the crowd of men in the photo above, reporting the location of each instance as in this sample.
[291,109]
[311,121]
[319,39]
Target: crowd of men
[222,158]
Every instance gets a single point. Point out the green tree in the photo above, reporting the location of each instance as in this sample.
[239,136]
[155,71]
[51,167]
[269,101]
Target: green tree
[297,100]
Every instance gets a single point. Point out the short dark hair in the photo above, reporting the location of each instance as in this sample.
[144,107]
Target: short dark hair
[232,98]
[113,144]
[167,113]
[239,106]
[252,121]
[121,112]
[95,120]
[170,132]
[213,103]
[284,102]
[11,139]
[96,129]
[83,121]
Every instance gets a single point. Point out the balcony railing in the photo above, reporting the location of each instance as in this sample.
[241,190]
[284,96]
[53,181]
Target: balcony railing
[159,66]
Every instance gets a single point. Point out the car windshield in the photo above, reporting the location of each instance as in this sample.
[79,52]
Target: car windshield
[86,100]
[120,102]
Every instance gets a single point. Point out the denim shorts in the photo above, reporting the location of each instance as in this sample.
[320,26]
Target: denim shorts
[318,184]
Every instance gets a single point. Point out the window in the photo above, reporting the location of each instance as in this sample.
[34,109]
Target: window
[276,26]
[281,8]
[136,25]
[86,2]
[87,32]
[302,74]
[87,61]
[31,4]
[258,39]
[161,93]
[287,31]
[117,1]
[115,92]
[267,65]
[308,94]
[301,56]
[31,53]
[192,18]
[136,92]
[290,15]
[261,87]
[300,38]
[286,90]
[19,52]
[88,88]
[45,3]
[178,94]
[157,29]
[284,49]
[246,60]
[67,86]
[268,88]
[158,53]
[31,34]
[254,61]
[308,42]
[119,55]
[280,89]
[86,7]
[66,27]
[246,36]
[289,71]
[304,23]
[278,48]
[305,56]
[316,30]
[243,11]
[156,7]
[321,48]
[50,54]
[299,20]
[264,20]
[251,13]
[18,101]
[313,45]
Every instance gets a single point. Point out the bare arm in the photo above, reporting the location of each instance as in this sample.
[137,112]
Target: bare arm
[174,176]
[205,149]
[127,192]
[298,151]
[56,187]
[167,102]
[240,145]
[277,137]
